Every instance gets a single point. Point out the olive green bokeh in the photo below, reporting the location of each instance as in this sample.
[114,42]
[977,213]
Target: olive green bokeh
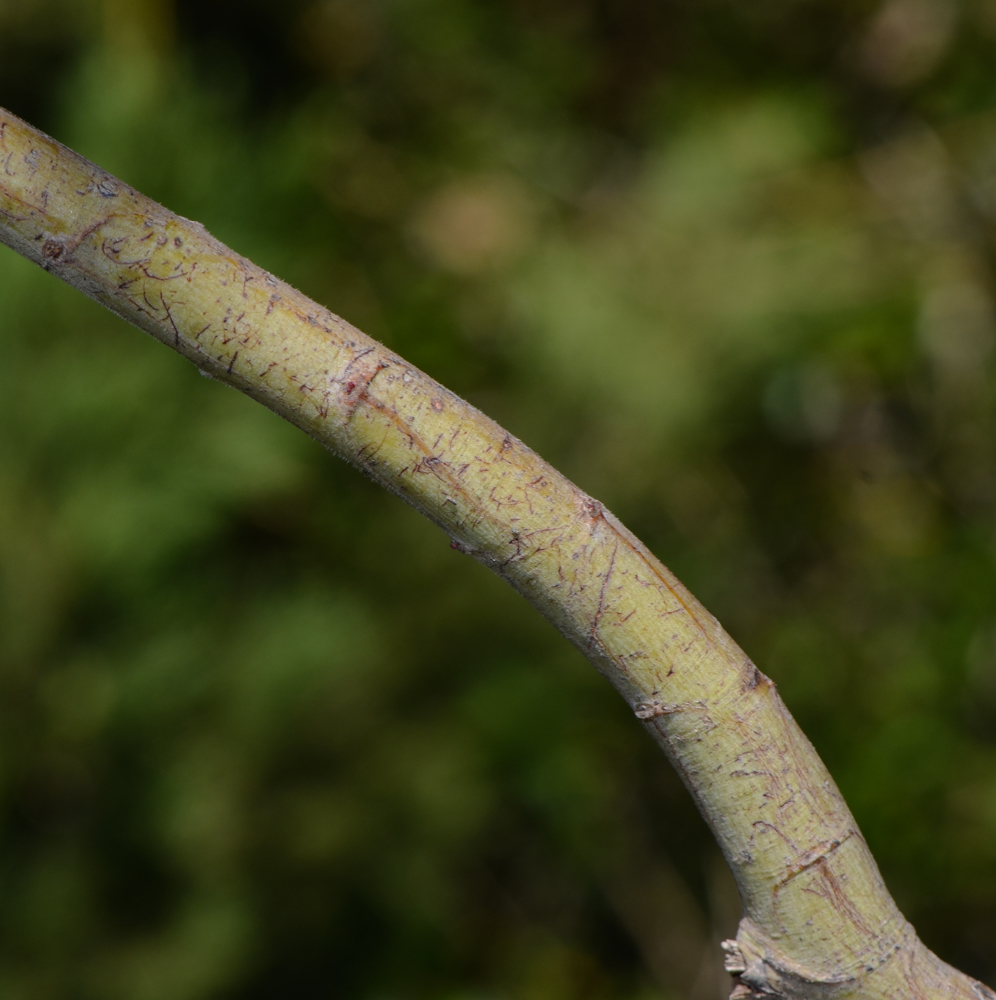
[264,733]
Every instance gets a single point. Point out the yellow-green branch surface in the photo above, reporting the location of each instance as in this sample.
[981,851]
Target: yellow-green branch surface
[818,920]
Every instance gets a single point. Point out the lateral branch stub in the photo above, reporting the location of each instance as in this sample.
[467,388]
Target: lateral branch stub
[818,920]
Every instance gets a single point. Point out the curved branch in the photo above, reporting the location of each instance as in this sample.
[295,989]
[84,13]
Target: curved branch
[818,921]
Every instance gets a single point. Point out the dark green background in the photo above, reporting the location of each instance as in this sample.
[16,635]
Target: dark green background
[729,265]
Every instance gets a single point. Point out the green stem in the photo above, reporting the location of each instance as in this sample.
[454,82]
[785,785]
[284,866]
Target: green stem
[818,920]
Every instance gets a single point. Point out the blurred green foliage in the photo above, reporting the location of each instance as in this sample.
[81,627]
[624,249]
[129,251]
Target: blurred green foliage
[729,266]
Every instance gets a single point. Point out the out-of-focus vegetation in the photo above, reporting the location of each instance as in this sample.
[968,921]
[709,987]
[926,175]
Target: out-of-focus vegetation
[728,265]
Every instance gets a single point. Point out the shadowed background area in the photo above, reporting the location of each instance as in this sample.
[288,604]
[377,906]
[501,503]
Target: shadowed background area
[263,734]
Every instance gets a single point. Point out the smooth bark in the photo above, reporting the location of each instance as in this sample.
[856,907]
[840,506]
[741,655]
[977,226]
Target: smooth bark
[818,920]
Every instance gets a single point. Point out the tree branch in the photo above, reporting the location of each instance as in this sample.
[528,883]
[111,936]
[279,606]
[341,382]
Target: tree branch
[819,922]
